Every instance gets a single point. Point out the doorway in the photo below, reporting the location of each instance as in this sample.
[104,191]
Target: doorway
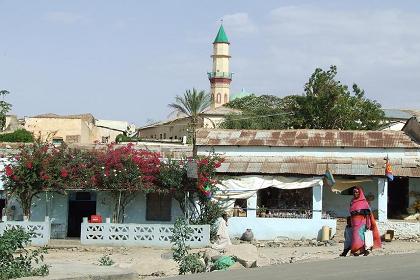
[81,204]
[2,206]
[398,197]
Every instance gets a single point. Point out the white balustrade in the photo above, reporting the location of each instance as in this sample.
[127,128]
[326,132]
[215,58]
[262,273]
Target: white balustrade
[40,230]
[156,235]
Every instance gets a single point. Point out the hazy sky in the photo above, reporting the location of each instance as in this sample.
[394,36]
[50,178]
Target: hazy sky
[126,60]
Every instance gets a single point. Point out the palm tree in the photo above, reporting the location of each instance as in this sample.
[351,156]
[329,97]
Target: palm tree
[192,104]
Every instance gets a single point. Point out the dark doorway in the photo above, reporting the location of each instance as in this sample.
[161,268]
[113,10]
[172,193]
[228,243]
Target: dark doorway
[81,204]
[397,197]
[2,206]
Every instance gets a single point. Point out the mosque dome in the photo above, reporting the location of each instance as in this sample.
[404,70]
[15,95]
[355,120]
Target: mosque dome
[240,94]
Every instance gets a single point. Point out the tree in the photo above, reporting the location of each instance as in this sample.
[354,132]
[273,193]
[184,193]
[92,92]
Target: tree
[4,108]
[328,104]
[192,104]
[325,104]
[258,112]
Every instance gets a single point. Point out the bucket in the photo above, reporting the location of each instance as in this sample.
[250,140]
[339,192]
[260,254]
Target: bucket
[325,234]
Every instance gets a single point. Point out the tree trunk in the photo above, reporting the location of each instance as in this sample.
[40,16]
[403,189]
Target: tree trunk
[26,202]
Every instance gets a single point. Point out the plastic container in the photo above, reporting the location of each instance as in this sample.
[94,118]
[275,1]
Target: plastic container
[325,233]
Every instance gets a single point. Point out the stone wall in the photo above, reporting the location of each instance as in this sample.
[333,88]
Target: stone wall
[402,229]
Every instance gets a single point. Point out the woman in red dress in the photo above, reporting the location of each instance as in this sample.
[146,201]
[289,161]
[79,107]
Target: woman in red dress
[361,220]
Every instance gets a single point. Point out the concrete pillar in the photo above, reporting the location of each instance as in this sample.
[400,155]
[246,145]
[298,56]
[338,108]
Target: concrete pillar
[252,206]
[317,202]
[382,199]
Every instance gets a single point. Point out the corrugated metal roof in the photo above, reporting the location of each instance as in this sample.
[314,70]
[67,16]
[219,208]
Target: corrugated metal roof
[317,166]
[305,138]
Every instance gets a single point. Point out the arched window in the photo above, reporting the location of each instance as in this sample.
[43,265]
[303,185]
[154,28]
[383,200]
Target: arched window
[219,98]
[226,98]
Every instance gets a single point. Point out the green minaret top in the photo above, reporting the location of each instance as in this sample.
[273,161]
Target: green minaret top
[221,36]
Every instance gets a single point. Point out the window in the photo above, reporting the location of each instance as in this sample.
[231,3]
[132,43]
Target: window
[164,135]
[158,207]
[160,136]
[105,139]
[347,191]
[219,98]
[57,141]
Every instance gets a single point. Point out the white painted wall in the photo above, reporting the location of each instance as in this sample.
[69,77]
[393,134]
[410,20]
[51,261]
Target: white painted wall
[135,211]
[250,151]
[339,204]
[271,228]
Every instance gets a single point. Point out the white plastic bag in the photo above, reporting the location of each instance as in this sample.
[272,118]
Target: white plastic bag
[368,239]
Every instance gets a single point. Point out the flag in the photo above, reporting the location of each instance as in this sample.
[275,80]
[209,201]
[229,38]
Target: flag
[328,178]
[388,170]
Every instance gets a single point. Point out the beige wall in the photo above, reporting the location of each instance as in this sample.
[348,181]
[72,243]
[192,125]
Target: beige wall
[70,130]
[173,130]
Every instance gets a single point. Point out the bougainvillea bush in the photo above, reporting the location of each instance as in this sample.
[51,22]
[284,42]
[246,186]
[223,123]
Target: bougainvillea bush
[201,207]
[123,171]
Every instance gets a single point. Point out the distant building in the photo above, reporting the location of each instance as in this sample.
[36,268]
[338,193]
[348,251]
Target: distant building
[76,129]
[397,118]
[177,128]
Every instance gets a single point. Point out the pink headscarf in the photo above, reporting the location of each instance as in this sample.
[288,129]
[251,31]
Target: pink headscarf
[359,203]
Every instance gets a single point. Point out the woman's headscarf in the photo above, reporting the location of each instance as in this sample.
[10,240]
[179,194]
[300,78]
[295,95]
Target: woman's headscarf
[359,203]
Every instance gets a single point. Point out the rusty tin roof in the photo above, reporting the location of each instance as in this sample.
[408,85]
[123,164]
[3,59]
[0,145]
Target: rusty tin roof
[305,138]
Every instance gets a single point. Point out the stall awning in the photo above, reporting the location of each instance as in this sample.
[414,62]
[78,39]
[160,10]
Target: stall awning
[246,186]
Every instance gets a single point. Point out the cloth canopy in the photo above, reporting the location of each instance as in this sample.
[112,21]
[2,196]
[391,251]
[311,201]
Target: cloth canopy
[246,186]
[344,184]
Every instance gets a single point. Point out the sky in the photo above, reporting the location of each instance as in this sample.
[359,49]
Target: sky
[127,60]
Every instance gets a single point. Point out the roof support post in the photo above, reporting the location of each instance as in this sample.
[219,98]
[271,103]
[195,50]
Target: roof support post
[317,201]
[382,199]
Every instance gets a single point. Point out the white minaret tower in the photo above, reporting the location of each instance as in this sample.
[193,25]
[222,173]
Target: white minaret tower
[220,77]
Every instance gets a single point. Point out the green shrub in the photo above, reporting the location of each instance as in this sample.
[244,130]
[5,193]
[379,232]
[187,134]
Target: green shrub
[124,138]
[187,262]
[20,135]
[15,260]
[105,260]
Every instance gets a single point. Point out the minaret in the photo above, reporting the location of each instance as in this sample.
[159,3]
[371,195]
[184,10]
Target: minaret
[220,77]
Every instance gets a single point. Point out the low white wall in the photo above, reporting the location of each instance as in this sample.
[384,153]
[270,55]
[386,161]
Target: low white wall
[402,229]
[41,230]
[155,235]
[271,228]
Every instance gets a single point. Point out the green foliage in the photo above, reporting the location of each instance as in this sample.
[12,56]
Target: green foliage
[105,260]
[15,260]
[325,104]
[124,138]
[20,135]
[258,112]
[4,108]
[192,104]
[187,262]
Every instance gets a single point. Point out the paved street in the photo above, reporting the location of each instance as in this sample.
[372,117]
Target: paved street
[394,267]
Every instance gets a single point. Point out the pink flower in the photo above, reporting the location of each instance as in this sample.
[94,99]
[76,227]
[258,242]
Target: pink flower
[29,165]
[64,173]
[8,170]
